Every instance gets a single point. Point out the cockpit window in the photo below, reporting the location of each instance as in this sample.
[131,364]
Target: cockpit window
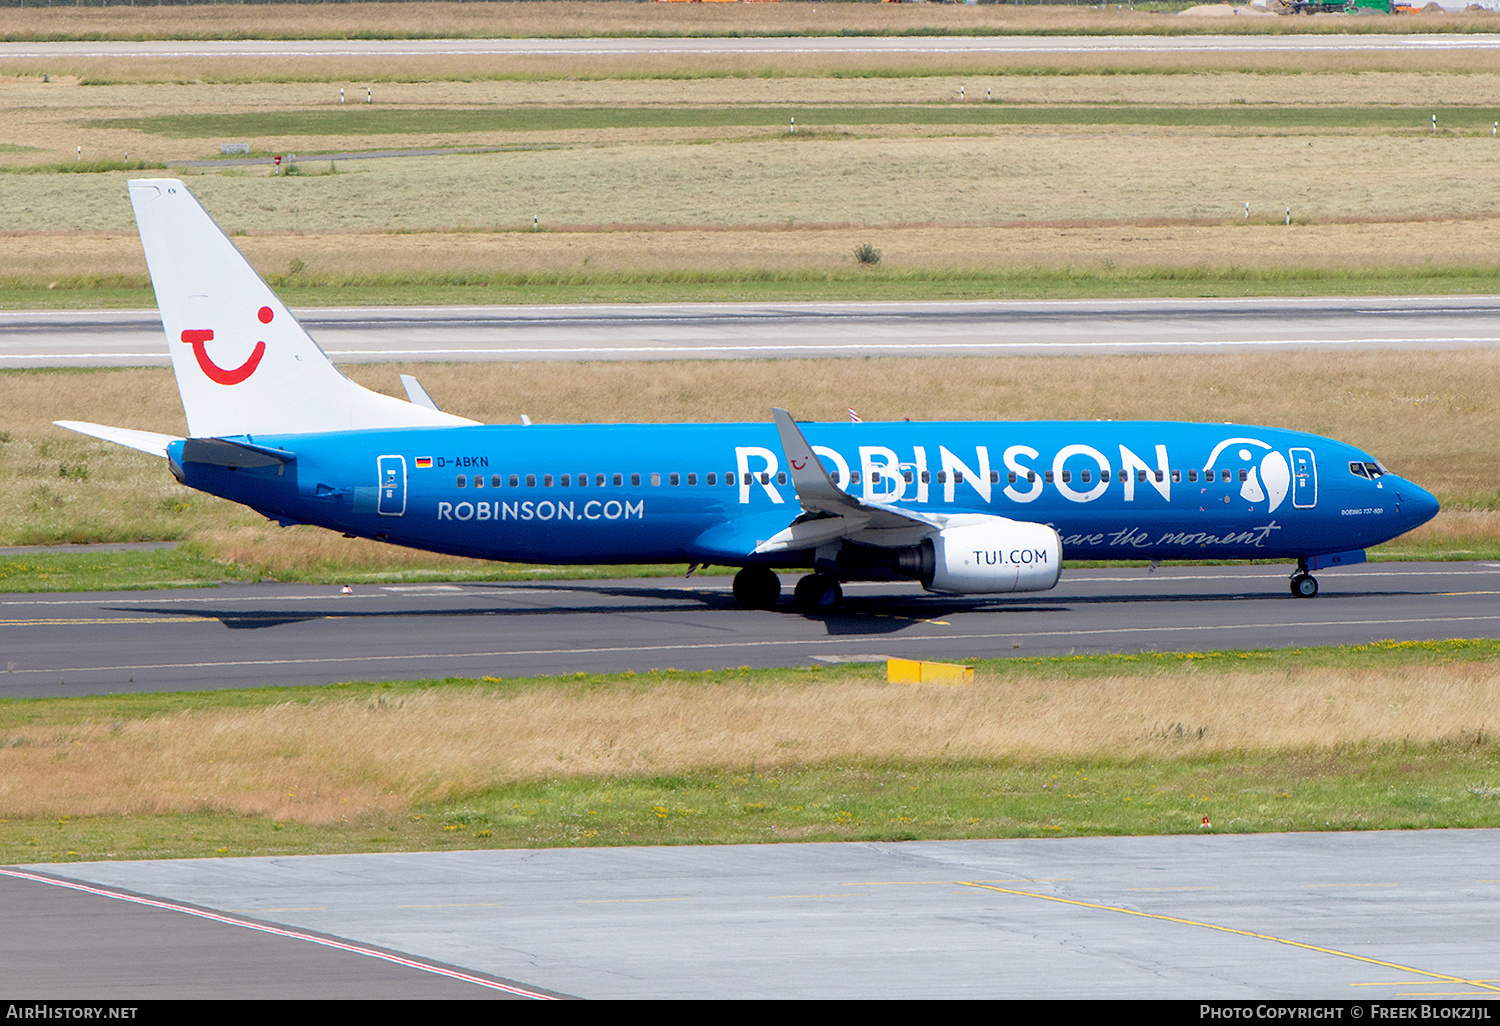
[1357,469]
[1374,469]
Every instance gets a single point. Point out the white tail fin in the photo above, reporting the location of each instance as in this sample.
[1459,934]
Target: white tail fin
[243,363]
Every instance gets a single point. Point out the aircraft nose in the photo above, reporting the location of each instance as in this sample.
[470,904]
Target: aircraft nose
[1417,504]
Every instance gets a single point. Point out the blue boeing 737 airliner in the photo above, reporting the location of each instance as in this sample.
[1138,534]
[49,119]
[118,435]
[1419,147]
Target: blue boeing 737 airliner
[976,507]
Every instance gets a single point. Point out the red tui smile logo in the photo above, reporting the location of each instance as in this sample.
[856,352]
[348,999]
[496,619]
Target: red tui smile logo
[197,336]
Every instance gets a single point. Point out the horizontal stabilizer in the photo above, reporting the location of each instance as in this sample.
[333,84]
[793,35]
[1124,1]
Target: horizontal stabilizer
[145,441]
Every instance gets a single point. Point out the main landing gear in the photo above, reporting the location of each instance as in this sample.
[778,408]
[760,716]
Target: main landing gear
[756,587]
[818,593]
[1304,584]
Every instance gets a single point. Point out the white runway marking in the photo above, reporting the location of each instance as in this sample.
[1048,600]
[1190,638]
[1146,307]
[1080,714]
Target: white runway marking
[278,931]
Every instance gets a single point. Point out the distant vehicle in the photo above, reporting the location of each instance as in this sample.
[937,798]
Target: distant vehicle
[1336,6]
[977,507]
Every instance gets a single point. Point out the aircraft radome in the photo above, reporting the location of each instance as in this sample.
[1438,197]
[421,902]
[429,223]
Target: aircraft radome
[975,507]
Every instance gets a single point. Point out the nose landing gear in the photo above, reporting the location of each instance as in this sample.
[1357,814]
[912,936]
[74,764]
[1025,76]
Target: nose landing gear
[1304,584]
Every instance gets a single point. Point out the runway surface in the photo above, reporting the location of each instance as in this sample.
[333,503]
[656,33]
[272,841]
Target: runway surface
[273,634]
[771,330]
[818,45]
[1353,917]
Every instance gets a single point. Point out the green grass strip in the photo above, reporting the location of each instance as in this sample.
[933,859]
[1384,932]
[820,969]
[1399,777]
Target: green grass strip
[367,120]
[854,284]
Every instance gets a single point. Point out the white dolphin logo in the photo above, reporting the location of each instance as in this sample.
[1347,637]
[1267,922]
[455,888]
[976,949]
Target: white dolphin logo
[1275,472]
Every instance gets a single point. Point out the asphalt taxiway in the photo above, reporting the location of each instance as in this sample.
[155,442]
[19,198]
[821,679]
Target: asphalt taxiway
[712,331]
[1353,917]
[243,635]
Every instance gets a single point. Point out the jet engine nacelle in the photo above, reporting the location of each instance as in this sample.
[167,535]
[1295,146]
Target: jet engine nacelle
[992,555]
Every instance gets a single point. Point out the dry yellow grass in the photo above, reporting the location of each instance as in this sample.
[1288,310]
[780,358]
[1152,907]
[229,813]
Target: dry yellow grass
[613,68]
[335,759]
[57,256]
[574,18]
[839,180]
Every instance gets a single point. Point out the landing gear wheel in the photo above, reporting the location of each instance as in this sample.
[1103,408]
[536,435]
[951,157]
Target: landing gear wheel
[1304,585]
[755,587]
[818,593]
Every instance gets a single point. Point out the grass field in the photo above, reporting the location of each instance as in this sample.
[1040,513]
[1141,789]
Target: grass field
[1383,736]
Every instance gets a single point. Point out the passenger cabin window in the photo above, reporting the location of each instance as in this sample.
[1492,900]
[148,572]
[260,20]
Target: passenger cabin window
[619,479]
[1244,474]
[995,477]
[463,479]
[1085,476]
[835,476]
[1067,477]
[1176,477]
[908,476]
[546,480]
[599,480]
[1047,475]
[1192,475]
[494,480]
[655,480]
[692,479]
[635,480]
[530,480]
[781,478]
[712,478]
[1104,475]
[673,479]
[478,480]
[515,481]
[567,480]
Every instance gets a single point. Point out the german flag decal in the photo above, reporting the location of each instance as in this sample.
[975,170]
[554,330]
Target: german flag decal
[424,462]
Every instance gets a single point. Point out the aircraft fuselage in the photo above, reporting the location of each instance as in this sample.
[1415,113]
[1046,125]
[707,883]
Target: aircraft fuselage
[710,493]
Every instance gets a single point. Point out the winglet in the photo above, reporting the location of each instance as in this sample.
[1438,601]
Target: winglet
[815,489]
